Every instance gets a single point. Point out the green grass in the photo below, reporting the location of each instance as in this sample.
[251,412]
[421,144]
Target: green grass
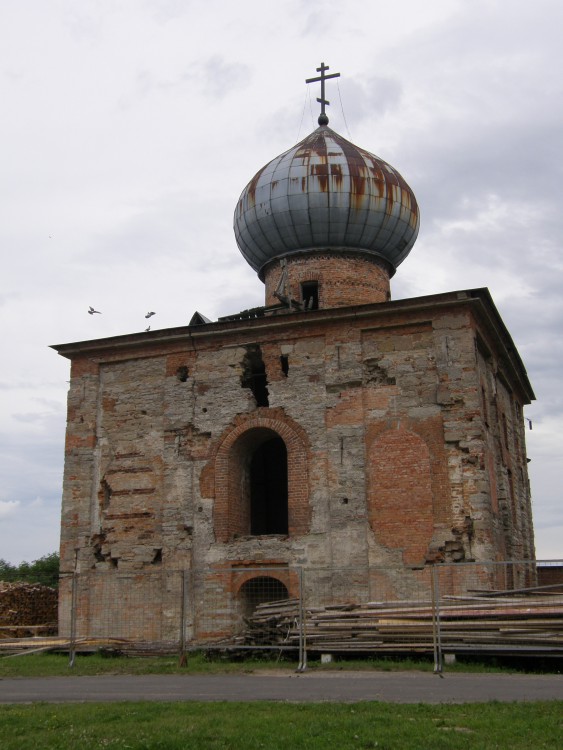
[51,665]
[167,726]
[238,726]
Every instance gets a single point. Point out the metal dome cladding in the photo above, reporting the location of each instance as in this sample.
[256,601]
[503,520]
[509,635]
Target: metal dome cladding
[325,193]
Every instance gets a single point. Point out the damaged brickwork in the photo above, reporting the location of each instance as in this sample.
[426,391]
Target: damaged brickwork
[394,432]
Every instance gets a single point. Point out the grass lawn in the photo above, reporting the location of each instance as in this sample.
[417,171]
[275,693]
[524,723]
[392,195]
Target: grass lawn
[189,725]
[238,726]
[50,665]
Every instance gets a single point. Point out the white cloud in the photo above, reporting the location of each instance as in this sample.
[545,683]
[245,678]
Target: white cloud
[8,507]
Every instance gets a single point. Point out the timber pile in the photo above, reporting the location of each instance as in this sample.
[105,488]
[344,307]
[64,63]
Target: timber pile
[38,644]
[272,623]
[24,606]
[467,624]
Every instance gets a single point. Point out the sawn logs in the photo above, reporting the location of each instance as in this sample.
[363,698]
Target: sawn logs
[467,624]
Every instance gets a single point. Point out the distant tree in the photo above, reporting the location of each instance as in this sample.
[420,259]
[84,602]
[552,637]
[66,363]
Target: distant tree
[45,570]
[7,571]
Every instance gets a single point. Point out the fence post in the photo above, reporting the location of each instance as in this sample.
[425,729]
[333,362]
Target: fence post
[436,632]
[73,600]
[182,642]
[302,666]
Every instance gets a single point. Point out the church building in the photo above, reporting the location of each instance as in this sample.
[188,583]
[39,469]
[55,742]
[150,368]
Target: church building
[332,429]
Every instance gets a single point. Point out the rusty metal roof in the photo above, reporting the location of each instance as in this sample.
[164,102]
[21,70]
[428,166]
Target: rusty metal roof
[326,193]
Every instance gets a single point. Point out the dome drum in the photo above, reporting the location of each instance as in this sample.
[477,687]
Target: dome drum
[341,279]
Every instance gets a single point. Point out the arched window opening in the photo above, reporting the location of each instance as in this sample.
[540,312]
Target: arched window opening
[268,488]
[243,473]
[260,590]
[310,295]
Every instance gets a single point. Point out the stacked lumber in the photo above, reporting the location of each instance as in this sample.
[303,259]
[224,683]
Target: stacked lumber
[27,631]
[15,646]
[272,622]
[10,647]
[24,605]
[467,624]
[514,624]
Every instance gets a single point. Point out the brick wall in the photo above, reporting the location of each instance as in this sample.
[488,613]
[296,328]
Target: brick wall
[392,459]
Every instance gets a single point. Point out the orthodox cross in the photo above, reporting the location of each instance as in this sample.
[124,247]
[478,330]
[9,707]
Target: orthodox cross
[323,119]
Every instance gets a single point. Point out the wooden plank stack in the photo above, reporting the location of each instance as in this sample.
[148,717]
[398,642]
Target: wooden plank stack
[24,606]
[11,647]
[531,624]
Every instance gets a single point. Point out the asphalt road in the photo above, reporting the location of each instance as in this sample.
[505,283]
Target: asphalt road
[388,687]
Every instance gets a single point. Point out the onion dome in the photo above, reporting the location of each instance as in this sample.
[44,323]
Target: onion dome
[326,194]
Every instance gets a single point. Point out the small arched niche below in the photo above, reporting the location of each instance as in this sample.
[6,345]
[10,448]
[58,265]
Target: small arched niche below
[260,590]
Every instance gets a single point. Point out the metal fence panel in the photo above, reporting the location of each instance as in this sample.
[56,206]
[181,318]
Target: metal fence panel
[498,607]
[489,607]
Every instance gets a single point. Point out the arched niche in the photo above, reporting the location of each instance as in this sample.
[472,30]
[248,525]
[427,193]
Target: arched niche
[259,444]
[258,590]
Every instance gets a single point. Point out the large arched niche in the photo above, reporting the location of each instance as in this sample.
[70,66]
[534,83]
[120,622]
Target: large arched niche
[400,507]
[230,476]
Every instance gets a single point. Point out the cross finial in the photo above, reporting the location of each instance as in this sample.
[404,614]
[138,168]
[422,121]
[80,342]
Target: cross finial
[323,119]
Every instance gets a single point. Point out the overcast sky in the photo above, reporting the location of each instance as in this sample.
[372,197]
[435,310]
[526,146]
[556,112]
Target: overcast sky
[129,128]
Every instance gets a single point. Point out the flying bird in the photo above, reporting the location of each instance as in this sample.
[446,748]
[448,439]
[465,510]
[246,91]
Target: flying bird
[150,314]
[91,311]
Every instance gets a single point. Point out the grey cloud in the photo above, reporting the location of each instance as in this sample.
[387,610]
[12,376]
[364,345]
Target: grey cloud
[170,228]
[165,11]
[220,77]
[368,98]
[214,78]
[41,468]
[84,20]
[316,19]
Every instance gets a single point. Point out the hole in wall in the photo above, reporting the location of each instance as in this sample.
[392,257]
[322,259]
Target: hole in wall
[254,375]
[284,364]
[106,494]
[182,373]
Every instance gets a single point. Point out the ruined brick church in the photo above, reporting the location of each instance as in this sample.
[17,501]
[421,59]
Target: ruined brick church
[333,428]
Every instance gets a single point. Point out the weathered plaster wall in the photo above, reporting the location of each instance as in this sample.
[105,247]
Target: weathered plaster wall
[405,446]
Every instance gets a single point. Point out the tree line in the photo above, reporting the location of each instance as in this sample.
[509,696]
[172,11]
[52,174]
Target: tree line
[45,570]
